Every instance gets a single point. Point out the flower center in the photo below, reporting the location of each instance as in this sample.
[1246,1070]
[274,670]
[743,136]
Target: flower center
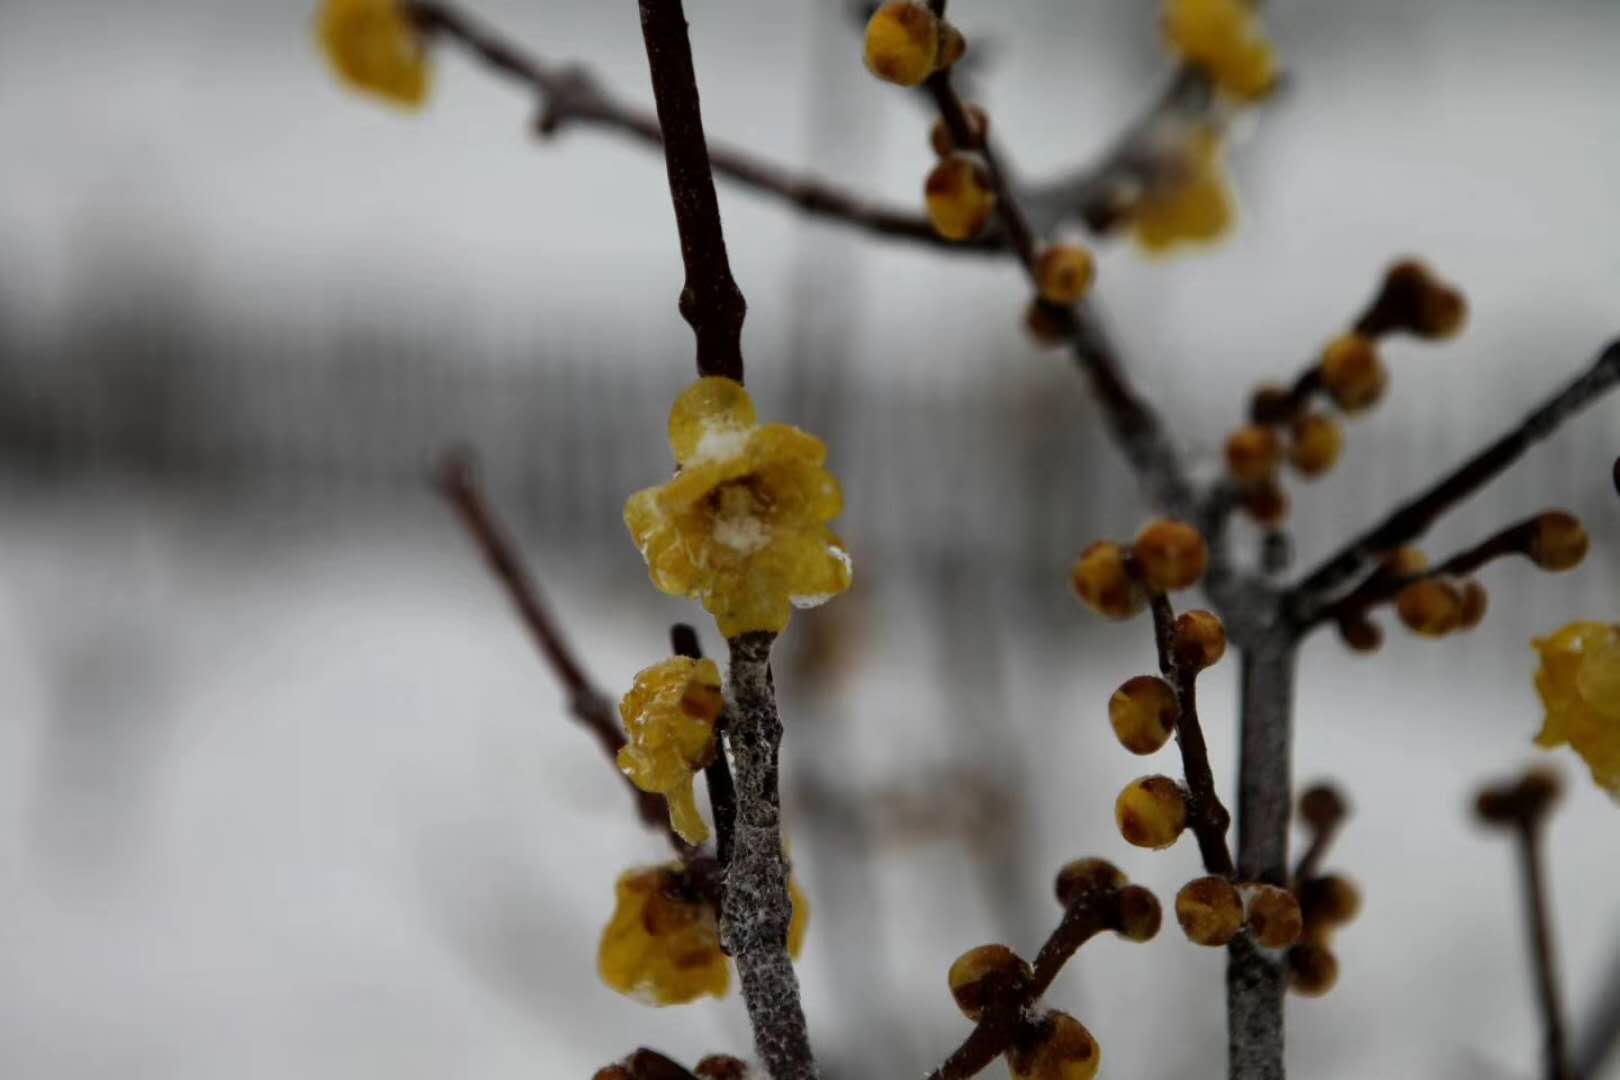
[739,523]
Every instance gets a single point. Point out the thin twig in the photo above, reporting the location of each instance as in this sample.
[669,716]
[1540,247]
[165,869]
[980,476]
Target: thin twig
[1206,816]
[1381,586]
[1533,878]
[1409,521]
[717,773]
[1135,426]
[572,94]
[457,480]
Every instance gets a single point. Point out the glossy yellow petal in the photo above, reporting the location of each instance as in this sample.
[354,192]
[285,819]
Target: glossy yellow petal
[1579,684]
[375,47]
[800,925]
[698,480]
[780,444]
[662,946]
[669,715]
[711,419]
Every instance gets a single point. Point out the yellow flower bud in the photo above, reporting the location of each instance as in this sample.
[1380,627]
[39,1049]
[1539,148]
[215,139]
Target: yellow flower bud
[1266,502]
[986,975]
[1226,39]
[1253,454]
[1315,443]
[1430,606]
[1137,914]
[1087,877]
[1474,601]
[669,717]
[1312,969]
[1171,554]
[1559,541]
[1151,812]
[939,136]
[375,46]
[1352,373]
[1101,578]
[1065,1050]
[662,945]
[959,197]
[1210,911]
[1064,273]
[1198,640]
[902,43]
[1273,916]
[1329,901]
[1143,713]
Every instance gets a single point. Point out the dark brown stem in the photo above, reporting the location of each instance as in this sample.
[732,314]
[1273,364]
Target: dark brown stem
[1208,819]
[1133,422]
[756,910]
[457,480]
[1004,1021]
[1381,586]
[1413,518]
[1316,851]
[710,300]
[717,773]
[571,94]
[1548,998]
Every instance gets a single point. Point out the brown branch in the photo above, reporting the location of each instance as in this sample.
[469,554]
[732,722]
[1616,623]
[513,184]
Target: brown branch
[757,910]
[572,94]
[717,773]
[1005,1021]
[1304,602]
[1208,819]
[1532,876]
[1132,421]
[710,300]
[1381,586]
[457,481]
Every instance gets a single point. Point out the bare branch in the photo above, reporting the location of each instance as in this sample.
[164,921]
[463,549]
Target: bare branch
[457,481]
[1413,518]
[572,94]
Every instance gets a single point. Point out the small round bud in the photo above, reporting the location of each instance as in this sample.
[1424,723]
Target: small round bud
[902,43]
[1328,901]
[1322,807]
[1210,911]
[1474,601]
[1266,502]
[1085,877]
[1315,443]
[1312,969]
[1271,404]
[1253,454]
[1050,326]
[1102,579]
[1404,562]
[1064,1050]
[1559,541]
[952,46]
[1413,299]
[722,1067]
[1198,640]
[1352,373]
[1138,915]
[1524,800]
[1151,811]
[1143,713]
[1360,633]
[983,976]
[1430,606]
[1442,315]
[939,136]
[958,197]
[1171,554]
[1273,916]
[1064,273]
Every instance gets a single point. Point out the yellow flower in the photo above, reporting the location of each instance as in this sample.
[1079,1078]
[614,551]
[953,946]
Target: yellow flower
[741,527]
[375,47]
[1192,203]
[669,719]
[1226,39]
[1579,684]
[662,946]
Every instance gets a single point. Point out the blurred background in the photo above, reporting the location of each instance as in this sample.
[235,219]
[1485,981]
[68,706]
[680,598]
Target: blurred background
[284,790]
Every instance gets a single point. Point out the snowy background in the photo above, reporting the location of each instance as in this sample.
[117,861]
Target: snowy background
[283,789]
